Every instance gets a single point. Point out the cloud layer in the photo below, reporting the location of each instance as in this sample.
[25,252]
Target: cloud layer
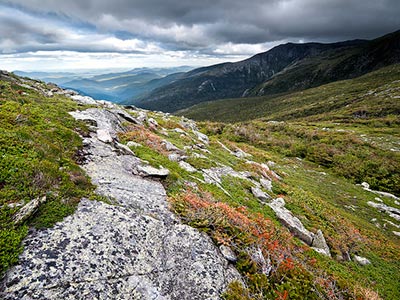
[207,28]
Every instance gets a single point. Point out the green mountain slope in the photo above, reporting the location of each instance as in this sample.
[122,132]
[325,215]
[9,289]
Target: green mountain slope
[223,180]
[372,95]
[39,154]
[288,67]
[351,127]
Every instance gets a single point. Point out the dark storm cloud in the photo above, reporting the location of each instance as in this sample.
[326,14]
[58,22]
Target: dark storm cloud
[192,25]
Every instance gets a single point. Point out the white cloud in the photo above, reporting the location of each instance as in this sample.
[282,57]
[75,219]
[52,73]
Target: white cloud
[71,60]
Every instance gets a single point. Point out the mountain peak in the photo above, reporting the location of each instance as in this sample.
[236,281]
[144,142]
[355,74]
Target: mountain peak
[284,68]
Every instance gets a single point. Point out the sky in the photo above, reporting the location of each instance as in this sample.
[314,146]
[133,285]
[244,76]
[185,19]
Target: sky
[51,35]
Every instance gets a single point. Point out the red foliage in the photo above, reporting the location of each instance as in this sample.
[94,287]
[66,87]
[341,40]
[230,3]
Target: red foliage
[282,296]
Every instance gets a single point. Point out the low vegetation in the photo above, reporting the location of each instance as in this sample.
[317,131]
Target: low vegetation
[350,127]
[38,153]
[316,163]
[274,264]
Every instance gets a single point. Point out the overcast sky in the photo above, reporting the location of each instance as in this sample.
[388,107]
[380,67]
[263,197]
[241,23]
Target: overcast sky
[85,34]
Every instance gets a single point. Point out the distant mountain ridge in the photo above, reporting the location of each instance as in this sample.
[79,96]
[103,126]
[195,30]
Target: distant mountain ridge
[285,68]
[116,86]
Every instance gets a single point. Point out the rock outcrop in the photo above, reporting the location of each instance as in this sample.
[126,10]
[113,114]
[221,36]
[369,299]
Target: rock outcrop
[291,222]
[316,241]
[130,248]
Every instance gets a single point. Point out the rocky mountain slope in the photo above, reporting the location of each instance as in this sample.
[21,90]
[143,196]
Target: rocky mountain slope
[285,68]
[133,204]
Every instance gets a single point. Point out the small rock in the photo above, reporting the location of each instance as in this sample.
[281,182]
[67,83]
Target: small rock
[146,170]
[396,233]
[339,257]
[290,221]
[365,185]
[28,210]
[126,116]
[169,146]
[152,122]
[85,100]
[239,153]
[133,144]
[391,211]
[164,132]
[258,257]
[16,204]
[174,157]
[258,193]
[142,116]
[278,202]
[266,184]
[361,260]
[199,155]
[179,130]
[104,136]
[319,242]
[271,163]
[321,251]
[186,166]
[188,124]
[125,149]
[201,136]
[84,117]
[228,253]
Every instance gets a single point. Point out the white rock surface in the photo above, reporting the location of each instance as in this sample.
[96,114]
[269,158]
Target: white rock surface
[266,184]
[179,130]
[239,153]
[147,170]
[391,211]
[258,193]
[104,136]
[290,221]
[133,144]
[186,166]
[201,137]
[319,244]
[28,210]
[152,122]
[169,146]
[365,185]
[85,100]
[361,260]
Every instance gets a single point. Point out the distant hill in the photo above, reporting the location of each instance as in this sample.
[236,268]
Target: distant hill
[375,94]
[285,68]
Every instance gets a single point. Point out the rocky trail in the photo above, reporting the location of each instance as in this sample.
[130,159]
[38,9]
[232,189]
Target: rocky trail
[132,248]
